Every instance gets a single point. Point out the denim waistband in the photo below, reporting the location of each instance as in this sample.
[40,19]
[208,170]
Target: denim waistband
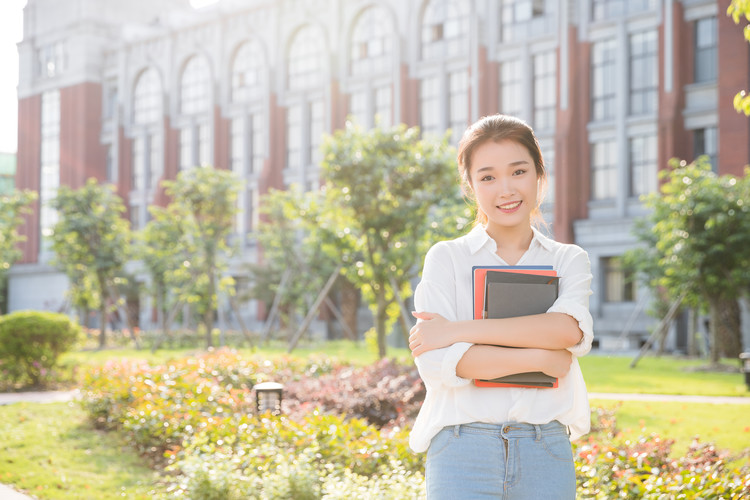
[510,429]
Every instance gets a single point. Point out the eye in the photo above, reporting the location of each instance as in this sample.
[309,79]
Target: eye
[487,178]
[520,171]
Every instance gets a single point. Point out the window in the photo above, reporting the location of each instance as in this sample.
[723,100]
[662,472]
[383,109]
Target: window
[644,73]
[514,12]
[247,73]
[603,82]
[510,88]
[604,170]
[49,179]
[305,67]
[619,284]
[458,119]
[317,127]
[384,106]
[358,108]
[706,142]
[643,169]
[371,44]
[138,174]
[195,87]
[294,138]
[445,28]
[52,60]
[430,106]
[545,90]
[147,101]
[195,105]
[706,50]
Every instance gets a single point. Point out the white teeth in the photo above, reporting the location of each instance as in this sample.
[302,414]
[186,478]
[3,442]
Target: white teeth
[510,206]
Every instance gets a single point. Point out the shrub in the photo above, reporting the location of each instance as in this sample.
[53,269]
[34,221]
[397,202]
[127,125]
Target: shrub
[31,343]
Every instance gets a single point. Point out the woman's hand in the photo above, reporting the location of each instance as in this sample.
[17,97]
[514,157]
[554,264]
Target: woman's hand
[557,362]
[433,332]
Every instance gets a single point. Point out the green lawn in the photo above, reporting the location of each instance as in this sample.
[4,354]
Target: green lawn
[49,451]
[663,375]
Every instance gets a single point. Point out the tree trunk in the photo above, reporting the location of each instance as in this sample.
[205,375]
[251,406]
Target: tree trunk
[692,336]
[350,298]
[714,304]
[380,322]
[102,320]
[729,334]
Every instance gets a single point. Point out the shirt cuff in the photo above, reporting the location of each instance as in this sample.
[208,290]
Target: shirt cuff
[453,355]
[585,323]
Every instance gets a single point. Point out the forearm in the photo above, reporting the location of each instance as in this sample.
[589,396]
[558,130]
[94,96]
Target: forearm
[488,361]
[542,331]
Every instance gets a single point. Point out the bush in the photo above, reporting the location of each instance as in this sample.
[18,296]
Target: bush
[31,343]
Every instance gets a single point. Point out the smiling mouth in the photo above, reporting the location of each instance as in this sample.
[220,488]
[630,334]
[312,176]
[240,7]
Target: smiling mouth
[510,207]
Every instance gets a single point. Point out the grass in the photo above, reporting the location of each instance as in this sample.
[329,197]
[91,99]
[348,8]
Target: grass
[726,425]
[49,451]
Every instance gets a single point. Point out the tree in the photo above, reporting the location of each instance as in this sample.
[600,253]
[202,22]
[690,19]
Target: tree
[12,209]
[157,248]
[204,204]
[388,196]
[697,244]
[91,241]
[738,9]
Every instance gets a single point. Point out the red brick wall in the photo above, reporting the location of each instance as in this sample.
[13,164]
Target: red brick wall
[28,169]
[734,61]
[572,151]
[82,155]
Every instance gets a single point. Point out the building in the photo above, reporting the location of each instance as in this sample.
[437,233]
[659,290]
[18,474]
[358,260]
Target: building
[132,92]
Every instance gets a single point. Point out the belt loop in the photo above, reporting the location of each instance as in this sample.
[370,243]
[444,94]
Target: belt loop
[456,430]
[538,429]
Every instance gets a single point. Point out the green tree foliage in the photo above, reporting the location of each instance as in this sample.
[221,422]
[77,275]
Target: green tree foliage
[695,245]
[91,241]
[388,196]
[12,209]
[739,9]
[204,203]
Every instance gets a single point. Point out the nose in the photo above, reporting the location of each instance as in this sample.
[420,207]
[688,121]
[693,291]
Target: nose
[506,186]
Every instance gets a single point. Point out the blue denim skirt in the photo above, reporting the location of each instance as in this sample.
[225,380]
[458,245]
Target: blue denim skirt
[511,461]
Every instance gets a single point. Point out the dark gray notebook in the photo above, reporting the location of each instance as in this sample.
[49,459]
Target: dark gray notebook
[507,300]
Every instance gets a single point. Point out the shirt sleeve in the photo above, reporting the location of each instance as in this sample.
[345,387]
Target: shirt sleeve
[436,293]
[573,298]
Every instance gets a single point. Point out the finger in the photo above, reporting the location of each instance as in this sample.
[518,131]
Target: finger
[423,315]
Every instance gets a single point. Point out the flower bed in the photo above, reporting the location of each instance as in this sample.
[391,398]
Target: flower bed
[343,434]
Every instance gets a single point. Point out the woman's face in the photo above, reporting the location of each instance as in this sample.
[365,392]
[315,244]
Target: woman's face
[504,180]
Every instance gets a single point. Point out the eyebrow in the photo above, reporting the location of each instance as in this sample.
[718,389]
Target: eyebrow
[511,164]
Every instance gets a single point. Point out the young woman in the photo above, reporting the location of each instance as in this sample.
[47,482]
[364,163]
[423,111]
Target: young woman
[510,443]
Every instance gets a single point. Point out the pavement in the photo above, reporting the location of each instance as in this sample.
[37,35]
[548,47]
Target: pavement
[7,493]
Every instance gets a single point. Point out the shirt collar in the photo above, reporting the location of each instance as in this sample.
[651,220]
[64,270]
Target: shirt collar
[478,238]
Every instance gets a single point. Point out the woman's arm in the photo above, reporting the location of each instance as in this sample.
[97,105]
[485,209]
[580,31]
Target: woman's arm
[551,331]
[487,362]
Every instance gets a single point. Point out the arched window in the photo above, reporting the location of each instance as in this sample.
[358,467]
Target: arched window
[305,69]
[371,45]
[445,28]
[195,87]
[147,102]
[247,73]
[147,158]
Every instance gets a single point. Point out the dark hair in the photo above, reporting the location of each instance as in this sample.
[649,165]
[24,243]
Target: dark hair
[497,128]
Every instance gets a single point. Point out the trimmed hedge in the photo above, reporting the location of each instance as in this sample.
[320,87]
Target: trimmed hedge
[31,343]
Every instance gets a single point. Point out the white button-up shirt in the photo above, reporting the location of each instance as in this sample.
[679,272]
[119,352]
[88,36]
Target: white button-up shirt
[446,289]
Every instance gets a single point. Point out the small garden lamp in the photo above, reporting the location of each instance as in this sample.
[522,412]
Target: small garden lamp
[268,397]
[745,362]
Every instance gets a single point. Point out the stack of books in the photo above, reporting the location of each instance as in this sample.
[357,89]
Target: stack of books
[509,291]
